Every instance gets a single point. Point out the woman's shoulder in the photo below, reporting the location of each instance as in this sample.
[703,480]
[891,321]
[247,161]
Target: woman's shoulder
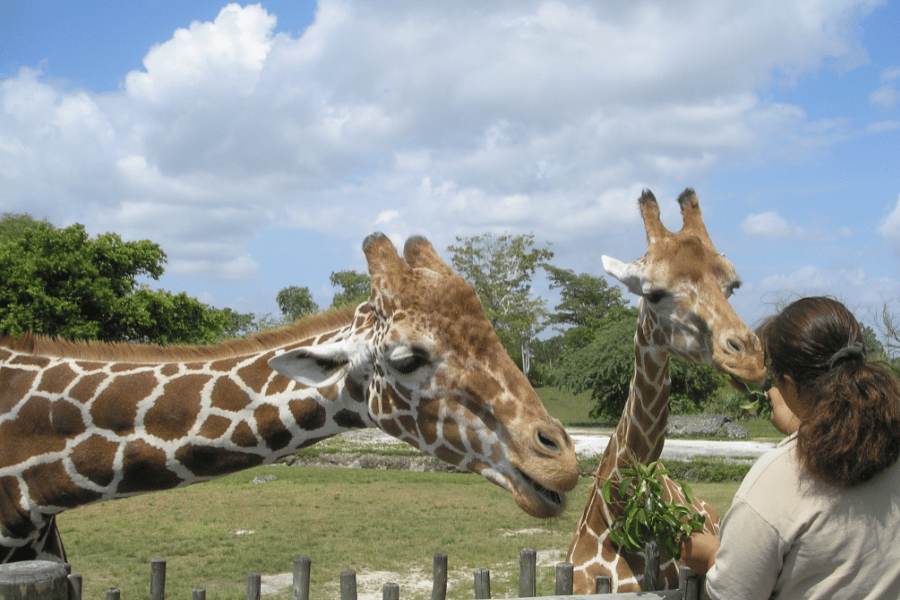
[777,469]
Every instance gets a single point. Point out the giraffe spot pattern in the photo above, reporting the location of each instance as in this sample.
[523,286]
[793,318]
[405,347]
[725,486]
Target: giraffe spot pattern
[270,427]
[228,396]
[66,419]
[308,414]
[214,427]
[145,469]
[85,388]
[93,459]
[31,361]
[174,413]
[56,379]
[14,385]
[114,408]
[204,461]
[243,436]
[49,484]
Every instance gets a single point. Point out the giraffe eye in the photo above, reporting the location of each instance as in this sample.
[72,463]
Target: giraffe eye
[406,360]
[656,296]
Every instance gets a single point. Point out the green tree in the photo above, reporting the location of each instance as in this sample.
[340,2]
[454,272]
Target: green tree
[60,282]
[501,269]
[14,225]
[692,385]
[295,302]
[585,300]
[605,367]
[237,324]
[355,288]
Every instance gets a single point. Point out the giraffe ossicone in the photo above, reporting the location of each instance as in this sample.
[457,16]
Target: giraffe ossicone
[684,285]
[89,422]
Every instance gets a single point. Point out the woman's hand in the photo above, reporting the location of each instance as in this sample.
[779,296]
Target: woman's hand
[698,551]
[782,418]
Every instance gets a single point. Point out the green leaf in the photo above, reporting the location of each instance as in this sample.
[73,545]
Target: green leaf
[605,491]
[688,493]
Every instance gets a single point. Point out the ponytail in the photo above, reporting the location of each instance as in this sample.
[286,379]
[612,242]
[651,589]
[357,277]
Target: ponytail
[851,429]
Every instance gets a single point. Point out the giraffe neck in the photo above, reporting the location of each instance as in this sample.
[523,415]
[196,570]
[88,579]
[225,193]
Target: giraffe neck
[640,432]
[108,429]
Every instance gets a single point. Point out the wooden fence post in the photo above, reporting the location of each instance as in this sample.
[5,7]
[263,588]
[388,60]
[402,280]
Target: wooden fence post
[439,587]
[254,586]
[482,584]
[650,582]
[113,594]
[390,591]
[40,579]
[157,579]
[300,587]
[527,573]
[75,586]
[198,594]
[348,585]
[603,585]
[565,578]
[690,584]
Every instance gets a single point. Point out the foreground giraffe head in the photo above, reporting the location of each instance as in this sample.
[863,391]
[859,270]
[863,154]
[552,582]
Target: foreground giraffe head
[433,373]
[684,285]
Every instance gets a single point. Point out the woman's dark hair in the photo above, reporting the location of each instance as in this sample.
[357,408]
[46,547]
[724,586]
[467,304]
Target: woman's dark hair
[851,429]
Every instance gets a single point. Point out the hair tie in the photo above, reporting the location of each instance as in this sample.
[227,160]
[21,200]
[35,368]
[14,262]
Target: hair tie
[855,350]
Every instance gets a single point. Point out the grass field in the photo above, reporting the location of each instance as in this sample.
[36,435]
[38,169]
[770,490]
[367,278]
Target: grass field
[386,525]
[367,520]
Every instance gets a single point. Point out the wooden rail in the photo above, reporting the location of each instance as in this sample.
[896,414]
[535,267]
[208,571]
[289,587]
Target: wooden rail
[42,580]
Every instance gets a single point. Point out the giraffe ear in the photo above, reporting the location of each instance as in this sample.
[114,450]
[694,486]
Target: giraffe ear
[316,367]
[629,274]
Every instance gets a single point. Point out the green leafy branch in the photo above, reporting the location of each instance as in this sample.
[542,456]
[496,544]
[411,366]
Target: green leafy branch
[646,516]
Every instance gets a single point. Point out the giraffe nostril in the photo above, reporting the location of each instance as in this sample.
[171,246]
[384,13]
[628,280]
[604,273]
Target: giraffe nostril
[735,345]
[547,442]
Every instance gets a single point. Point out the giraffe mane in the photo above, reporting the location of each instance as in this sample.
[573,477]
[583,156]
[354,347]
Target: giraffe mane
[41,345]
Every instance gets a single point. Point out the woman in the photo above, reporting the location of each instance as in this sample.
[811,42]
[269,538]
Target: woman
[819,516]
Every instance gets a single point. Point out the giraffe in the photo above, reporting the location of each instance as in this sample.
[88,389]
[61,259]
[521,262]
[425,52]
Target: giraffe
[684,286]
[89,422]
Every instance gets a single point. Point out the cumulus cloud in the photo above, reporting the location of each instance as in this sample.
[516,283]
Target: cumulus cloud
[769,225]
[416,116]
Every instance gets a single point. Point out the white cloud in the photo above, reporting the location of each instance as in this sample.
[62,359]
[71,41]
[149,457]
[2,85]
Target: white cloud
[533,115]
[770,225]
[886,97]
[890,226]
[890,74]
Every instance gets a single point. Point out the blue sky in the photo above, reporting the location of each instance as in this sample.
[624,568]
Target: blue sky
[259,144]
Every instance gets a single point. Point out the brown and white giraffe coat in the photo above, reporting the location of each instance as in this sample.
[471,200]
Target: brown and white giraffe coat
[89,422]
[684,285]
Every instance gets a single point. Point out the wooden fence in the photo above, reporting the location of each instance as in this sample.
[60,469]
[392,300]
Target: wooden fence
[42,580]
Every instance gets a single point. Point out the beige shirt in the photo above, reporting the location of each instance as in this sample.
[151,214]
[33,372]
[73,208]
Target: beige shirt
[790,536]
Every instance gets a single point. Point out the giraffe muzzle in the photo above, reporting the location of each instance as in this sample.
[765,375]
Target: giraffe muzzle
[544,470]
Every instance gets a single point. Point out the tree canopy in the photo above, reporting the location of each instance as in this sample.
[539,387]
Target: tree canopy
[355,288]
[296,302]
[501,269]
[61,282]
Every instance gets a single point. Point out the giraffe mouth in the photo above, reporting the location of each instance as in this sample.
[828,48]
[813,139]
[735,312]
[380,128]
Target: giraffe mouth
[551,503]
